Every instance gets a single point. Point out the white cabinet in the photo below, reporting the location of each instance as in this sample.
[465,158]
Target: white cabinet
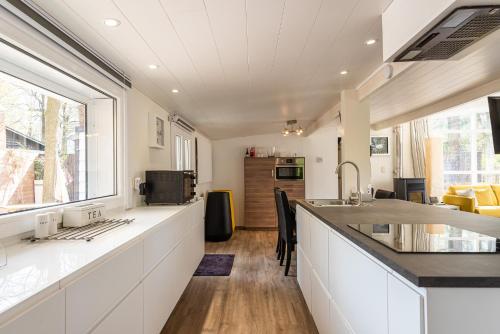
[47,317]
[159,242]
[164,285]
[405,307]
[319,249]
[162,288]
[359,287]
[126,318]
[303,230]
[331,267]
[320,304]
[99,291]
[132,292]
[304,276]
[338,324]
[346,290]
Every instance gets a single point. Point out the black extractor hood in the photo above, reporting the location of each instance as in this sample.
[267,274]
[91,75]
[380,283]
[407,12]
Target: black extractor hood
[457,31]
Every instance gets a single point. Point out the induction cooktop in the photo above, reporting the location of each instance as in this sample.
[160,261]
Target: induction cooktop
[429,238]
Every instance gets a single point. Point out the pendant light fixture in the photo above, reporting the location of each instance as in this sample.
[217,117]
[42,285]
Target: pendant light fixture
[290,129]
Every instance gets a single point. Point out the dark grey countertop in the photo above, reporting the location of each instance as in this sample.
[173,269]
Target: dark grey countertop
[423,270]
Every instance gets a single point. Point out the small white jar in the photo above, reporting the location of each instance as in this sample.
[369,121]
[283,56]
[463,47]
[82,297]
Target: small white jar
[52,222]
[41,226]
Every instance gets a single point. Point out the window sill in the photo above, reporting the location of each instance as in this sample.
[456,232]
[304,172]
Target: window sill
[18,223]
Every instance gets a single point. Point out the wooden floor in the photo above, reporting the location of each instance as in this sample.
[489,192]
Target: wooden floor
[256,298]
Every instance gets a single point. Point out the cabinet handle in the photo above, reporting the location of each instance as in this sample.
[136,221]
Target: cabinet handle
[272,172]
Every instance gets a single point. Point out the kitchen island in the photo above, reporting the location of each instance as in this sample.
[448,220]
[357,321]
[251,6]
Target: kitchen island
[355,284]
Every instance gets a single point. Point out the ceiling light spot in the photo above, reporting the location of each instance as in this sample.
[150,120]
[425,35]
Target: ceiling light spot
[111,22]
[175,91]
[344,72]
[371,41]
[153,67]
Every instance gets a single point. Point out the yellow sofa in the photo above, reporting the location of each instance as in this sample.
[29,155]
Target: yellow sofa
[486,201]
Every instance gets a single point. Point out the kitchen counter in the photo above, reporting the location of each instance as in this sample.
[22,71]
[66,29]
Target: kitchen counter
[423,270]
[36,270]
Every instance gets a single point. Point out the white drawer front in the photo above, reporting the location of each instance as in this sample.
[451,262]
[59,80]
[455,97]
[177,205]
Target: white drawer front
[95,294]
[320,300]
[359,288]
[126,317]
[45,318]
[338,324]
[165,284]
[405,307]
[319,249]
[304,276]
[303,230]
[163,239]
[162,288]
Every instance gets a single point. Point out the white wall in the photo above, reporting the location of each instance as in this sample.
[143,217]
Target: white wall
[139,156]
[205,165]
[355,141]
[321,160]
[382,165]
[320,179]
[228,162]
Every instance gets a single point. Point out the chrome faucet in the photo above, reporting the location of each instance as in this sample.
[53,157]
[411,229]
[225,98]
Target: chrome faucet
[358,188]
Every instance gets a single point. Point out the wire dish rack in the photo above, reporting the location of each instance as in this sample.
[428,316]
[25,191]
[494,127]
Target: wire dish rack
[87,232]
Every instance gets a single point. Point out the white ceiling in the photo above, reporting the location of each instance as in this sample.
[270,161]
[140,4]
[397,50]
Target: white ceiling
[243,67]
[425,83]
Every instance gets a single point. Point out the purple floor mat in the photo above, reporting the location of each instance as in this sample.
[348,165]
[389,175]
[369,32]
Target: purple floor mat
[215,265]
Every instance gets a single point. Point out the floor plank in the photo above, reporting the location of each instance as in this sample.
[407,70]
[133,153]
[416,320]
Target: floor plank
[256,298]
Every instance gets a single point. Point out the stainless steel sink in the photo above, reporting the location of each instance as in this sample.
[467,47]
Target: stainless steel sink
[328,202]
[320,203]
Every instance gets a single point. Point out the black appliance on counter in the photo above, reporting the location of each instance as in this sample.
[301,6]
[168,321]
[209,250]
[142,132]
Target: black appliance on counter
[168,186]
[410,189]
[289,168]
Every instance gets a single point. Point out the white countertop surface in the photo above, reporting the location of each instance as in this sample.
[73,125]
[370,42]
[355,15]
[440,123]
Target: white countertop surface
[36,270]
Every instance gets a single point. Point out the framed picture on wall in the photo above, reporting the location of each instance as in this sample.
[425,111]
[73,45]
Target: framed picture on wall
[156,131]
[379,145]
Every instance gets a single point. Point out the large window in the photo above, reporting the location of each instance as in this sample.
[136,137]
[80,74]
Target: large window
[468,152]
[57,138]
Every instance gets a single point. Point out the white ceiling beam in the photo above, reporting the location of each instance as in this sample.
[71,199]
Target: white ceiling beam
[491,87]
[379,78]
[329,117]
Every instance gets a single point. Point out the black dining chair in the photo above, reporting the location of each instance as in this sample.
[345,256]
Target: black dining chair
[286,223]
[278,243]
[384,194]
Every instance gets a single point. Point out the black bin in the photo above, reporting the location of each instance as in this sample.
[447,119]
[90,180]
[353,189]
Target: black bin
[218,226]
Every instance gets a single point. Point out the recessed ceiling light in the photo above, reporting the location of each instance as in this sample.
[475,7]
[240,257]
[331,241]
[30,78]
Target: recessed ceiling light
[175,91]
[371,41]
[153,67]
[111,22]
[344,72]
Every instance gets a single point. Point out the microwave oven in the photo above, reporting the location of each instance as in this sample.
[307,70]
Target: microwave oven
[168,186]
[289,169]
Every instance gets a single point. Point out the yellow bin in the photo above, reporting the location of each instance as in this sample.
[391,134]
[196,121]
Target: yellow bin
[231,203]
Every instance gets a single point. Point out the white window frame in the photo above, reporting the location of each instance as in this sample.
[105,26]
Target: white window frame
[181,160]
[33,42]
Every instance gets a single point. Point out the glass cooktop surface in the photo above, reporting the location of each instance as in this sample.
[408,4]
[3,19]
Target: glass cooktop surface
[429,238]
